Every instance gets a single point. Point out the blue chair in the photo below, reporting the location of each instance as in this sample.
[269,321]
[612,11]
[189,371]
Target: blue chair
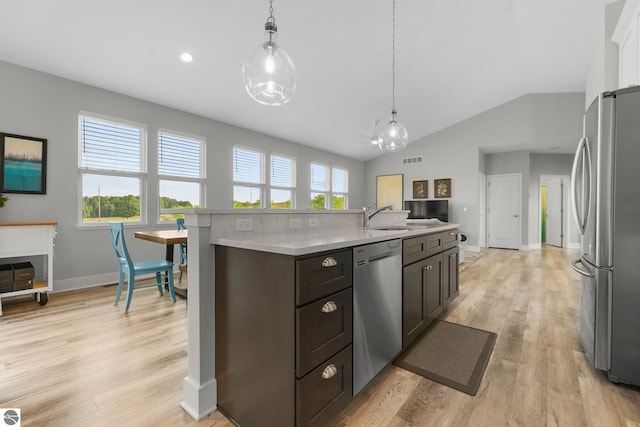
[183,249]
[162,268]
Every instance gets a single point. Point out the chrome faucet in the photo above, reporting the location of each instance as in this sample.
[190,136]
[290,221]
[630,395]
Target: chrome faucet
[366,215]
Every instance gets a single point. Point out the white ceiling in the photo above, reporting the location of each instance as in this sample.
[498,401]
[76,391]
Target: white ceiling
[454,58]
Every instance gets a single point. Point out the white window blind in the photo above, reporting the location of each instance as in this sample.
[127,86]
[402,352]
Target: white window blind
[319,177]
[282,172]
[179,155]
[248,166]
[107,145]
[340,184]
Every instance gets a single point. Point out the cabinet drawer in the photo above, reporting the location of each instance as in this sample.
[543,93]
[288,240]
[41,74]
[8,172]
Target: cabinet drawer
[322,329]
[325,391]
[420,247]
[434,243]
[414,249]
[323,275]
[449,239]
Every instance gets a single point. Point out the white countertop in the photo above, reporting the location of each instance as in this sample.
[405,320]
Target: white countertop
[311,241]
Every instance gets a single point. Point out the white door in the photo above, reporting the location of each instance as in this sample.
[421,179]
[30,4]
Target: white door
[554,210]
[504,205]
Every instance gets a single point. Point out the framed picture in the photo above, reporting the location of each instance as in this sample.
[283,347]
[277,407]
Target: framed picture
[420,189]
[389,191]
[442,188]
[23,164]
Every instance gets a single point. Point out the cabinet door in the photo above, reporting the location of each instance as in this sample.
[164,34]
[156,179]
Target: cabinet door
[450,276]
[414,300]
[433,283]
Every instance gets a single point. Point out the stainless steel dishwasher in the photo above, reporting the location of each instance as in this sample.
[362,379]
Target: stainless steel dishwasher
[377,309]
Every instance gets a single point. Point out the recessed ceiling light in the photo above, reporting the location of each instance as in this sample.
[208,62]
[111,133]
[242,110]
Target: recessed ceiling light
[186,57]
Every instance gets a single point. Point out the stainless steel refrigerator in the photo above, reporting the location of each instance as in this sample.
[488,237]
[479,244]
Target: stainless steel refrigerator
[605,192]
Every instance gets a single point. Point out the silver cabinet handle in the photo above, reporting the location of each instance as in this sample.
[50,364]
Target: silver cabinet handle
[428,267]
[329,372]
[329,262]
[329,307]
[452,255]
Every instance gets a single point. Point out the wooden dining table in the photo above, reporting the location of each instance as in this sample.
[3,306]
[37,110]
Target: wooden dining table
[169,238]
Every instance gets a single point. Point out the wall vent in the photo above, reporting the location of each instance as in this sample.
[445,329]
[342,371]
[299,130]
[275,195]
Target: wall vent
[411,160]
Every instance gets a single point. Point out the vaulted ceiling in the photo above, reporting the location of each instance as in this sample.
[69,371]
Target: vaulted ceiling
[454,58]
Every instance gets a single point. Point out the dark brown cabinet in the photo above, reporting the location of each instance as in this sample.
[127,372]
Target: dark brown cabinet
[429,280]
[450,278]
[283,336]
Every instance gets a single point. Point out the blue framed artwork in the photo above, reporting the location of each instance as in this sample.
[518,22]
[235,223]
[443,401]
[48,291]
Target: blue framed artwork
[23,164]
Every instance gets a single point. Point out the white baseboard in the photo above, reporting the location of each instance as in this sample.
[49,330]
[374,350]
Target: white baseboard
[76,283]
[535,246]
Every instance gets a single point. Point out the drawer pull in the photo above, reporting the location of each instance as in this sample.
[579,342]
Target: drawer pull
[451,233]
[428,267]
[329,372]
[452,255]
[329,262]
[329,307]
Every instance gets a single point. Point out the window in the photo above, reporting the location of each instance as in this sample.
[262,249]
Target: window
[339,188]
[248,178]
[181,172]
[329,191]
[112,169]
[283,182]
[319,186]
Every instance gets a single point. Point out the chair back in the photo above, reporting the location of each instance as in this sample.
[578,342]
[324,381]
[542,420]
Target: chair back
[120,246]
[180,222]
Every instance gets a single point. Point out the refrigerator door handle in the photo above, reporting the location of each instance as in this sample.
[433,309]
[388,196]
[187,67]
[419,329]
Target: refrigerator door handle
[577,269]
[580,215]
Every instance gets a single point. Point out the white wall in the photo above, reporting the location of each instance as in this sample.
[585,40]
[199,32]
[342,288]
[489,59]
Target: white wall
[41,105]
[602,72]
[454,152]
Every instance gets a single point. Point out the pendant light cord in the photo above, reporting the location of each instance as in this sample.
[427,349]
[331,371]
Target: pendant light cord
[271,22]
[393,61]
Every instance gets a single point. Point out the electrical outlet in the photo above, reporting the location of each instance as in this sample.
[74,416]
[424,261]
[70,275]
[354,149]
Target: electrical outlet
[314,222]
[244,224]
[295,223]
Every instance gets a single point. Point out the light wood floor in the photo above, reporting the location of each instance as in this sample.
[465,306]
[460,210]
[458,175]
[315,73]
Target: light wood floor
[79,361]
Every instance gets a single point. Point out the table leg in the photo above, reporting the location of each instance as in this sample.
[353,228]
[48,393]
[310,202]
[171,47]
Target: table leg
[169,257]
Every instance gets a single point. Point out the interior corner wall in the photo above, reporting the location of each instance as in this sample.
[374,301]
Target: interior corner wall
[458,151]
[42,105]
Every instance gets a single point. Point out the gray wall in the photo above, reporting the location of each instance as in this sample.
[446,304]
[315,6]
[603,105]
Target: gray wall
[455,152]
[41,105]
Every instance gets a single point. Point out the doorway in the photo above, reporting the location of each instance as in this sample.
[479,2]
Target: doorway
[553,210]
[504,211]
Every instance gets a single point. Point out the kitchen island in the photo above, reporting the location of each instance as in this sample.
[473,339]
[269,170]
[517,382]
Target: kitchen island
[256,347]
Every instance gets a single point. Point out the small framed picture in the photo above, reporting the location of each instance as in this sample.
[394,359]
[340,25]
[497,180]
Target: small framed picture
[420,189]
[23,164]
[442,188]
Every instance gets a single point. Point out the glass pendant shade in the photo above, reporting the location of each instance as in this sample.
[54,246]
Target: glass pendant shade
[269,73]
[394,136]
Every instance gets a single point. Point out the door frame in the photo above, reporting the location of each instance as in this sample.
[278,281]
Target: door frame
[482,201]
[566,182]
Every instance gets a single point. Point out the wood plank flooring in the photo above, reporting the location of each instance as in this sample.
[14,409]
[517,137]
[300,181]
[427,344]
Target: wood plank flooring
[80,361]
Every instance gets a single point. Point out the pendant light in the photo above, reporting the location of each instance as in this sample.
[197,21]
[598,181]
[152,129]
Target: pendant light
[269,73]
[394,136]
